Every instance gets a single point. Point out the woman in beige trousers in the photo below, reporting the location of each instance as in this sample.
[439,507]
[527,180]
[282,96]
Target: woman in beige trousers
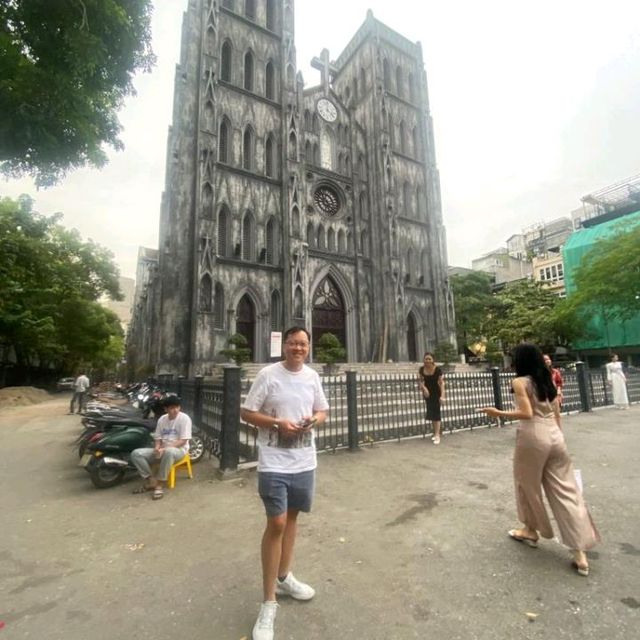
[541,461]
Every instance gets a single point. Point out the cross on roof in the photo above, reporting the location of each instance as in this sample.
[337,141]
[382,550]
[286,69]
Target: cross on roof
[327,70]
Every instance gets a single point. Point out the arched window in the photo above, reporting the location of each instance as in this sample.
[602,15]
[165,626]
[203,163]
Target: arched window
[218,306]
[308,153]
[275,310]
[206,286]
[402,137]
[415,135]
[271,15]
[297,303]
[295,222]
[248,251]
[364,243]
[386,72]
[327,149]
[225,61]
[362,169]
[408,199]
[321,243]
[293,147]
[290,76]
[269,82]
[271,242]
[420,202]
[424,267]
[342,241]
[223,142]
[412,89]
[223,232]
[250,9]
[307,120]
[269,157]
[316,154]
[331,240]
[247,149]
[208,116]
[364,213]
[248,71]
[311,236]
[399,82]
[409,274]
[315,123]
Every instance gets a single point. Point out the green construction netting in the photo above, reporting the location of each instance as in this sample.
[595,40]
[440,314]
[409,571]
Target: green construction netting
[605,334]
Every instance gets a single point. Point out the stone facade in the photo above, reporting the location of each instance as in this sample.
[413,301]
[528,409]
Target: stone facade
[284,205]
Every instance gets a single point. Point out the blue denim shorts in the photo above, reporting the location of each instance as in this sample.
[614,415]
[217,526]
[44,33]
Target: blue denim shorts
[283,491]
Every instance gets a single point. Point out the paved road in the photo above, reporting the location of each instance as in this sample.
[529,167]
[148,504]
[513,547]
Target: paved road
[406,541]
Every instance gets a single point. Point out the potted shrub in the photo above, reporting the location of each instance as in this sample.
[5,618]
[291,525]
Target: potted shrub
[238,350]
[329,351]
[445,352]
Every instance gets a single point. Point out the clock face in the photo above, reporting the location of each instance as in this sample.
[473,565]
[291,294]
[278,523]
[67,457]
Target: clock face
[327,110]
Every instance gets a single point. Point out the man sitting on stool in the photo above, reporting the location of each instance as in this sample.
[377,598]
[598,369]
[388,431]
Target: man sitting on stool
[171,436]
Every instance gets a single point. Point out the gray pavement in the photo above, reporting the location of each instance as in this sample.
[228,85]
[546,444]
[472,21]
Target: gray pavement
[407,540]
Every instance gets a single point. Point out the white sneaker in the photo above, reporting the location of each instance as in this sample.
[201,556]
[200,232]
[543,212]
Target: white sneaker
[294,588]
[263,628]
[436,440]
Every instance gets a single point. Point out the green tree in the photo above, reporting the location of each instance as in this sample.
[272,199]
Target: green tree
[65,69]
[238,350]
[50,281]
[474,303]
[526,311]
[608,278]
[329,350]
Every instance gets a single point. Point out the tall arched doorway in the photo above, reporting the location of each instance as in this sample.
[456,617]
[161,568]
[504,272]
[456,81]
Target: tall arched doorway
[328,312]
[412,346]
[246,322]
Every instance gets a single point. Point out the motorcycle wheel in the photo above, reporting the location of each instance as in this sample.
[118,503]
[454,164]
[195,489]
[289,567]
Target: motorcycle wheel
[104,477]
[196,448]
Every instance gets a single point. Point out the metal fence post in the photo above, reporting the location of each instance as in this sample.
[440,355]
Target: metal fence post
[179,387]
[197,400]
[352,411]
[229,436]
[583,386]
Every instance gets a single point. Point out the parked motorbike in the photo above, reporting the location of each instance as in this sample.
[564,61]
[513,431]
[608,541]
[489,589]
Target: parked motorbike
[107,455]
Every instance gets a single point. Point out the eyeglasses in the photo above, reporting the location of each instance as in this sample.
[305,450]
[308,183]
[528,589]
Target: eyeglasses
[301,345]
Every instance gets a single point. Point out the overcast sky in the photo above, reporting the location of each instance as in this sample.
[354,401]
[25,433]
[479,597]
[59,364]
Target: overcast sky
[535,104]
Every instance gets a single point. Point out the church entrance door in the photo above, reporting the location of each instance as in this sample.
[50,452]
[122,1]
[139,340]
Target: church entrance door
[328,312]
[246,322]
[412,348]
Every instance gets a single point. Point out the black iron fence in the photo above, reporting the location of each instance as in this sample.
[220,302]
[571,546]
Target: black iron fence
[373,408]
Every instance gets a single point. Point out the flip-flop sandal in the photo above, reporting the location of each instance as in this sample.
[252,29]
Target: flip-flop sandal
[158,494]
[142,489]
[530,542]
[581,569]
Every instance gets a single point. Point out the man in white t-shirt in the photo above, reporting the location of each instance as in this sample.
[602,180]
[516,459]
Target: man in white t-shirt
[171,436]
[80,388]
[285,402]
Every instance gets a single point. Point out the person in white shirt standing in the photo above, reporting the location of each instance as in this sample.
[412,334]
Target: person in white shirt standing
[171,436]
[286,402]
[80,388]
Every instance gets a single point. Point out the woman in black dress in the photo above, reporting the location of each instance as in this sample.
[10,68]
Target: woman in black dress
[431,383]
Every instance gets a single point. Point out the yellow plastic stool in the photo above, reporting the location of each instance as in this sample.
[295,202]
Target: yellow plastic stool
[172,474]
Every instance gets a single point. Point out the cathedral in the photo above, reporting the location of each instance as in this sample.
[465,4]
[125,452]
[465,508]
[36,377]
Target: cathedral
[284,204]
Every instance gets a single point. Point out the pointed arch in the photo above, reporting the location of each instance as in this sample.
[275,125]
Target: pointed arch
[308,153]
[399,82]
[331,240]
[209,117]
[248,71]
[321,242]
[295,222]
[293,147]
[344,288]
[247,148]
[271,241]
[342,242]
[420,203]
[226,61]
[223,231]
[316,154]
[327,149]
[275,311]
[364,243]
[311,235]
[250,9]
[270,81]
[271,15]
[290,76]
[386,74]
[270,157]
[248,237]
[410,267]
[218,306]
[206,292]
[224,148]
[298,308]
[307,120]
[412,337]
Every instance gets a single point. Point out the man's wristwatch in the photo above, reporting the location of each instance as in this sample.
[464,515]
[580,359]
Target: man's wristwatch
[275,426]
